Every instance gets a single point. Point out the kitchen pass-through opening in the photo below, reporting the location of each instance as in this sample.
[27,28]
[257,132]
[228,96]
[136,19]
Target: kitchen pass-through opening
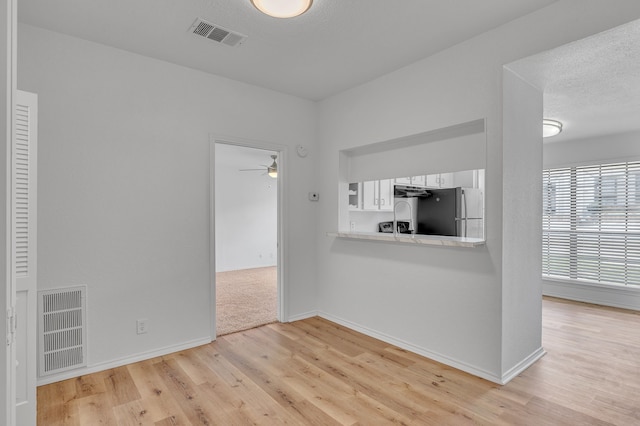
[246,237]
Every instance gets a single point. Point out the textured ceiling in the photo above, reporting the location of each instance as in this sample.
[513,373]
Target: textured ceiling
[336,45]
[591,85]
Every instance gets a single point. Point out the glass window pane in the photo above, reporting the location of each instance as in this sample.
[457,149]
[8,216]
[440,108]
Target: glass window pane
[591,223]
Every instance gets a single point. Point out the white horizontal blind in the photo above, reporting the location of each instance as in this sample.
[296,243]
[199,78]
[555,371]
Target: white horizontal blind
[591,223]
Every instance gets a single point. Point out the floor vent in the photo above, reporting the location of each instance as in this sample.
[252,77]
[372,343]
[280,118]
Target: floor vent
[216,33]
[62,330]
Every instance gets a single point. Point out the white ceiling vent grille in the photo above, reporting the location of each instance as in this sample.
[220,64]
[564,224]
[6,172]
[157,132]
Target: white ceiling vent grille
[216,33]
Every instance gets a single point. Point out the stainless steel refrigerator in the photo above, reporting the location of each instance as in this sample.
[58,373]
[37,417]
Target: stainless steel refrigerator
[457,212]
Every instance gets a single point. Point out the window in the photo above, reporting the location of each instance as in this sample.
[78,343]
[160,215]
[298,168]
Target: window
[549,198]
[591,223]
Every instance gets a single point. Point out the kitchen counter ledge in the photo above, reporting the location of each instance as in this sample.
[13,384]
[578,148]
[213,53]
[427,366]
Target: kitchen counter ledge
[429,240]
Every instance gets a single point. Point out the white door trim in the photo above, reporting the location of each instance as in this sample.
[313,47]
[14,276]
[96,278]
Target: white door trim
[8,70]
[282,184]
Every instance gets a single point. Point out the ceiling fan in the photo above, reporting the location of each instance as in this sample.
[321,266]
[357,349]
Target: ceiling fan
[271,170]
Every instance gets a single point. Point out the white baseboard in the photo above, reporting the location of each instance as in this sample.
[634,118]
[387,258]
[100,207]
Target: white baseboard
[122,361]
[522,365]
[416,349]
[614,296]
[302,316]
[513,372]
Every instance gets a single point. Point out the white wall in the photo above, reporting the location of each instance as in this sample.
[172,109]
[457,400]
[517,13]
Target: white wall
[421,154]
[124,187]
[601,149]
[246,209]
[521,224]
[443,302]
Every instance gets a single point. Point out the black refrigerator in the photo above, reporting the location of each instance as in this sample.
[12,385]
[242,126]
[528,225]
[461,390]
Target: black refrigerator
[456,212]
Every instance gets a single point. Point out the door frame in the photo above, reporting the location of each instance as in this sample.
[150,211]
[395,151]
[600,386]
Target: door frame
[8,72]
[282,248]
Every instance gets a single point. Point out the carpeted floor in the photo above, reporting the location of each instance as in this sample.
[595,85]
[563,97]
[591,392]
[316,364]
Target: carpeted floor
[245,299]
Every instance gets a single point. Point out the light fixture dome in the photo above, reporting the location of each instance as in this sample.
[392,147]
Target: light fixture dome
[282,8]
[272,170]
[550,128]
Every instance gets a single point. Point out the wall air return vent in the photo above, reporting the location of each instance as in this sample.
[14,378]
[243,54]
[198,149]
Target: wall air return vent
[216,33]
[62,329]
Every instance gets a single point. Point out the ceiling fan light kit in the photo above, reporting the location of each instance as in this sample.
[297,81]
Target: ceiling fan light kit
[282,8]
[271,170]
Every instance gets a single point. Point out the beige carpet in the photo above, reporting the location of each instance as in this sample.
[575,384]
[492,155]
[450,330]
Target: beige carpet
[245,299]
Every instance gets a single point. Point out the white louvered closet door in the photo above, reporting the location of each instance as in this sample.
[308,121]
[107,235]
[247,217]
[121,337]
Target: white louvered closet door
[23,240]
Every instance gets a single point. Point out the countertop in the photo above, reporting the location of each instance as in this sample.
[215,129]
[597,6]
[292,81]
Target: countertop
[418,239]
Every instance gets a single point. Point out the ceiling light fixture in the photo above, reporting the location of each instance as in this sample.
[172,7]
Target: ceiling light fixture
[282,8]
[272,170]
[550,128]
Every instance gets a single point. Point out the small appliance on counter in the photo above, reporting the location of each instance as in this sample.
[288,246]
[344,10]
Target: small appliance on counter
[387,227]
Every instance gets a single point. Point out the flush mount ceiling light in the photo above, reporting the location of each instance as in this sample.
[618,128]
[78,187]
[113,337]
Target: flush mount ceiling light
[282,8]
[550,128]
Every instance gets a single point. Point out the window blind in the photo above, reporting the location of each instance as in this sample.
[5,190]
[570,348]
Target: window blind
[591,223]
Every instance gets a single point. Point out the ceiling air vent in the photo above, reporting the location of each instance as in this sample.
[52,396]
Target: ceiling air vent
[216,33]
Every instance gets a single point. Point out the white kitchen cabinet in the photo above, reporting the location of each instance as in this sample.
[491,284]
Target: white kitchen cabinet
[464,179]
[413,180]
[440,180]
[377,195]
[386,194]
[446,180]
[468,179]
[369,195]
[419,180]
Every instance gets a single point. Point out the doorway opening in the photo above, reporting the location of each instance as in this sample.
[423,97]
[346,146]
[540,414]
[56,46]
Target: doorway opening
[589,185]
[246,232]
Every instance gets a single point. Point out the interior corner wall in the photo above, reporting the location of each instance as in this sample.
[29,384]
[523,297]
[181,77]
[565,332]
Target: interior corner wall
[521,225]
[445,303]
[123,202]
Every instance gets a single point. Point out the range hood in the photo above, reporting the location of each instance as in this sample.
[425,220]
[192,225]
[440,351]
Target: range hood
[408,191]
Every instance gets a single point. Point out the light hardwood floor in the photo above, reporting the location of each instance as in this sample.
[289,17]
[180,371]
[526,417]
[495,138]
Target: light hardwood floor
[314,372]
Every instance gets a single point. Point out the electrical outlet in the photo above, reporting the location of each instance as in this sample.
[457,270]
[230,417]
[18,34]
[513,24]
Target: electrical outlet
[352,226]
[141,325]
